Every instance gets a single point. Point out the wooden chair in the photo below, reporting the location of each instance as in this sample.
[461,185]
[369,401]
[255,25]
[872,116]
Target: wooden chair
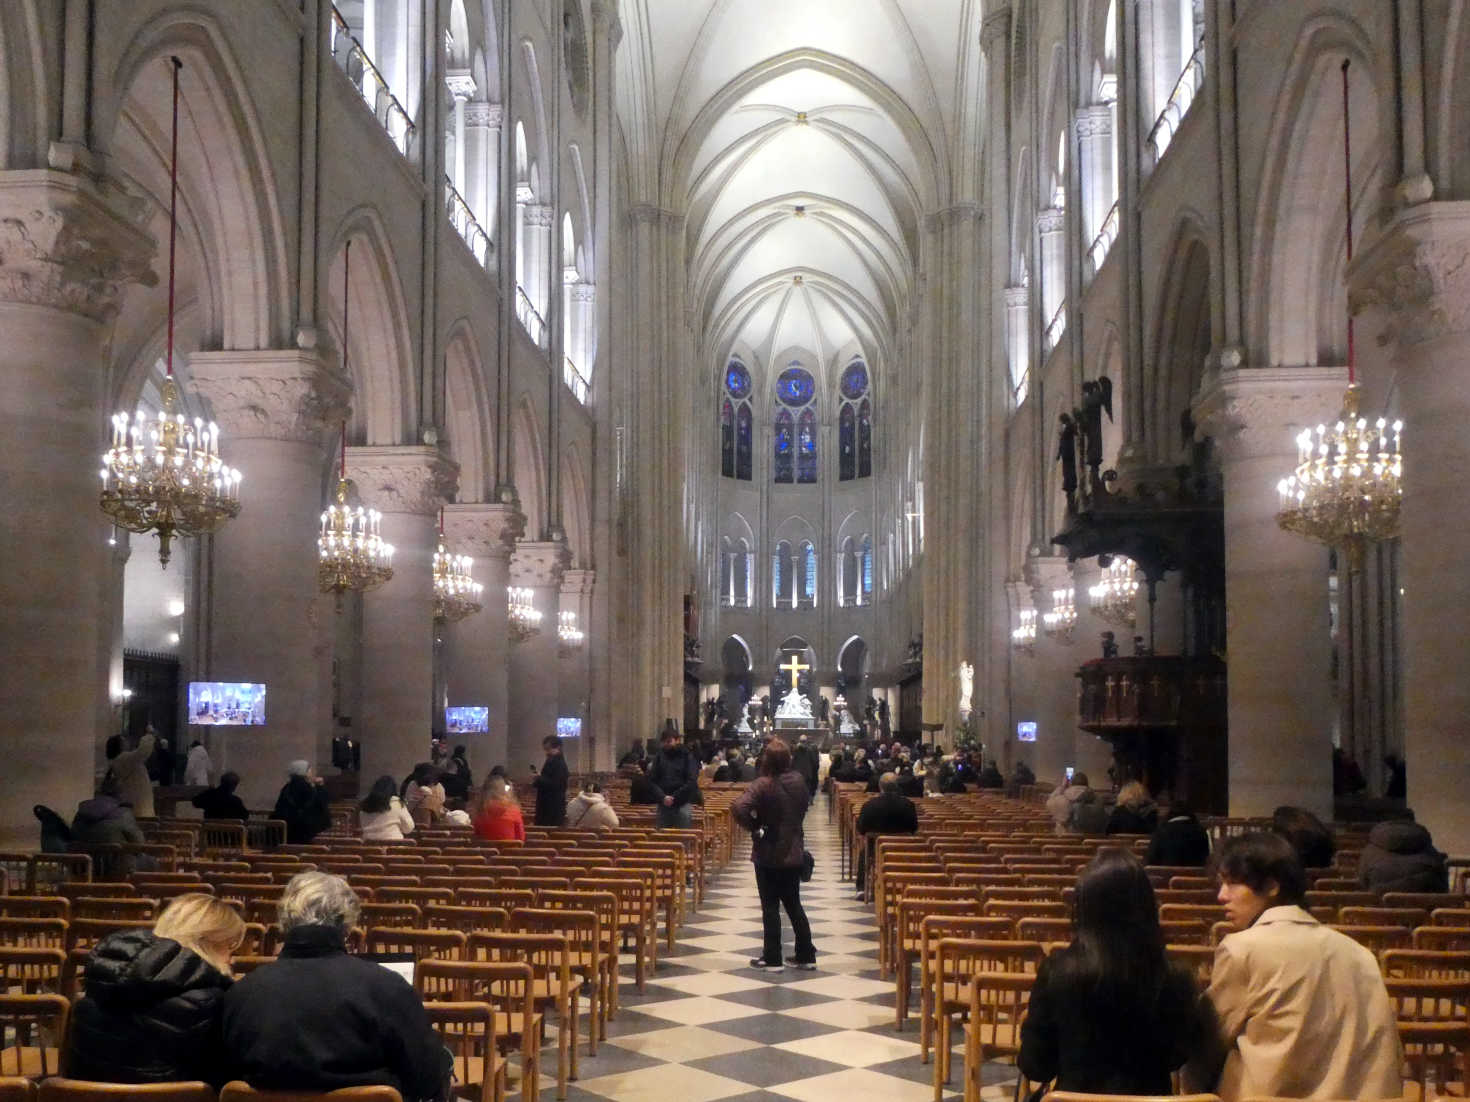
[35,906]
[129,907]
[1186,932]
[1017,909]
[508,988]
[1077,1096]
[13,1088]
[400,915]
[583,932]
[605,906]
[467,920]
[1429,1000]
[423,944]
[1441,1048]
[418,895]
[93,888]
[30,971]
[1424,963]
[33,1030]
[550,959]
[34,933]
[57,1089]
[83,933]
[636,917]
[467,1030]
[221,836]
[48,871]
[958,961]
[1444,938]
[1377,938]
[15,872]
[1407,917]
[239,1091]
[1449,916]
[998,1002]
[915,906]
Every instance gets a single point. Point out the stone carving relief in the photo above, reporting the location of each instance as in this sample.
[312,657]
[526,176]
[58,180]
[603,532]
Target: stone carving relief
[484,531]
[402,480]
[1423,286]
[539,563]
[1259,411]
[296,405]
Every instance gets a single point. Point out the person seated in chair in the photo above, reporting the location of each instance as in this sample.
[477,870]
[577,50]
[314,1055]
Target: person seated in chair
[889,812]
[318,1019]
[220,802]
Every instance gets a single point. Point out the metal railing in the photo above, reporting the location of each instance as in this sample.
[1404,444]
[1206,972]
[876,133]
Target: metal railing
[530,319]
[464,221]
[371,84]
[581,389]
[1180,99]
[1097,252]
[1056,327]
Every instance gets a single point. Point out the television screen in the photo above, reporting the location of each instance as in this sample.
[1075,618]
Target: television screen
[468,720]
[569,727]
[226,704]
[1026,732]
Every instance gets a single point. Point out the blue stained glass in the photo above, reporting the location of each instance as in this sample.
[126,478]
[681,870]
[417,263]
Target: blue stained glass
[809,590]
[737,379]
[796,386]
[855,380]
[783,440]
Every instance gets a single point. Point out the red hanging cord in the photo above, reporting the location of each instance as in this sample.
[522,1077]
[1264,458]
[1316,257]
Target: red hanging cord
[1347,177]
[346,304]
[173,214]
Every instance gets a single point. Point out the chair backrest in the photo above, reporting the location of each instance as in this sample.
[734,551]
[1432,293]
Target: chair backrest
[1425,963]
[16,1088]
[239,1091]
[467,1031]
[1378,938]
[1449,916]
[57,1089]
[1024,908]
[35,906]
[31,971]
[548,955]
[94,889]
[83,933]
[1199,959]
[34,933]
[507,899]
[131,907]
[423,944]
[1407,917]
[32,1031]
[1207,913]
[401,915]
[1186,932]
[1077,1096]
[49,870]
[1416,999]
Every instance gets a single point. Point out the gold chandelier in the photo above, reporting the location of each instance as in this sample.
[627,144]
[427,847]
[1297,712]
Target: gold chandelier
[168,477]
[1114,597]
[1023,637]
[1061,619]
[1347,487]
[525,617]
[456,594]
[568,634]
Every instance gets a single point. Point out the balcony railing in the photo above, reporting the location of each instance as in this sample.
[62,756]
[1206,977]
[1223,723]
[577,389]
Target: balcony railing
[371,84]
[1056,327]
[1098,251]
[1180,99]
[580,387]
[463,219]
[530,318]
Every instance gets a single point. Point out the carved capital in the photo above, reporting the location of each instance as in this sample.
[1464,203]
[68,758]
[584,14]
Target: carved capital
[484,531]
[578,583]
[461,84]
[286,394]
[1416,275]
[69,243]
[1258,411]
[606,21]
[539,215]
[1051,220]
[404,479]
[582,291]
[491,115]
[1017,297]
[539,563]
[1094,122]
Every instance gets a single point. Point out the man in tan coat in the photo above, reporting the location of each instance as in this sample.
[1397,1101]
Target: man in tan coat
[1302,1010]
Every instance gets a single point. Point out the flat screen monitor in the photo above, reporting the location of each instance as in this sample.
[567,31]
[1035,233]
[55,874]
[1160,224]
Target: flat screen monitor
[569,727]
[226,704]
[1026,732]
[467,720]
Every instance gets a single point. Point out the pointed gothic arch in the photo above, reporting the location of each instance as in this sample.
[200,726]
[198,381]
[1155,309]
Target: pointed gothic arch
[469,425]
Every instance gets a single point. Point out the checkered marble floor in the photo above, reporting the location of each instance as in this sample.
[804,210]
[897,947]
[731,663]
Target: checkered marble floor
[710,1028]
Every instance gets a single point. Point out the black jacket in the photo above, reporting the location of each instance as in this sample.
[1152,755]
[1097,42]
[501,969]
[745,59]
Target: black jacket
[641,790]
[457,779]
[804,760]
[216,803]
[150,1015]
[676,773]
[302,806]
[1179,841]
[911,785]
[1133,820]
[888,813]
[772,810]
[318,1019]
[1400,857]
[1121,1043]
[551,792]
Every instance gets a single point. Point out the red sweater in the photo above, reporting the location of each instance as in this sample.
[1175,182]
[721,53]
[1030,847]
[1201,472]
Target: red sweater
[501,823]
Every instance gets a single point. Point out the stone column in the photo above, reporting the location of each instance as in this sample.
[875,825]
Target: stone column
[407,485]
[1092,754]
[1276,616]
[67,248]
[482,135]
[539,263]
[1021,684]
[1054,668]
[1051,228]
[1018,337]
[275,411]
[1415,282]
[1099,174]
[535,673]
[478,644]
[576,596]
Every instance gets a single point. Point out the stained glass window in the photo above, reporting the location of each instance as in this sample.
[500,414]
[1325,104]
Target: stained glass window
[735,423]
[806,456]
[865,440]
[727,440]
[867,568]
[854,423]
[809,574]
[855,381]
[785,447]
[780,582]
[846,444]
[796,386]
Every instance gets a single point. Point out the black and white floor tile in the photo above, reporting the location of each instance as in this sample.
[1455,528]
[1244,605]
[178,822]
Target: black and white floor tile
[709,1028]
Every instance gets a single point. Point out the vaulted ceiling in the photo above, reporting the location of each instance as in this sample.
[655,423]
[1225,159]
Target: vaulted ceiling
[803,141]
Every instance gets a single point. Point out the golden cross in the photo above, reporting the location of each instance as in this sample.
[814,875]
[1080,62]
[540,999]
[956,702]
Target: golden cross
[794,667]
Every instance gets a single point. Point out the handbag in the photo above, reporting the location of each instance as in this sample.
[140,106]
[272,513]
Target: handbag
[808,865]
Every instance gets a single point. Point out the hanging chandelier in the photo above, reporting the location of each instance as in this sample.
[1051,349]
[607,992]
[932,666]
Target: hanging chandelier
[1347,487]
[1023,637]
[525,617]
[351,554]
[1061,618]
[167,477]
[456,594]
[1114,597]
[568,634]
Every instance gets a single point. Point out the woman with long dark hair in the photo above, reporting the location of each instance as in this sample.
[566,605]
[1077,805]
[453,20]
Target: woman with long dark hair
[1109,1014]
[382,816]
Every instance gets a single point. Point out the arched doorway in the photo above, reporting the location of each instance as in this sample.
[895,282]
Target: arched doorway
[735,679]
[852,675]
[797,648]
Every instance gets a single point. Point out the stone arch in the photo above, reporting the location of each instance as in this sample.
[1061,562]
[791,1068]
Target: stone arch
[1298,219]
[225,182]
[1109,362]
[1184,338]
[27,100]
[385,399]
[577,507]
[467,414]
[528,466]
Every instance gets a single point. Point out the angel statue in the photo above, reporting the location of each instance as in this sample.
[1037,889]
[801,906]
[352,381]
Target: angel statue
[1067,454]
[1097,399]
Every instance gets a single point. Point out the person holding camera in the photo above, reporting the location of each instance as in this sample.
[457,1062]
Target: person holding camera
[772,809]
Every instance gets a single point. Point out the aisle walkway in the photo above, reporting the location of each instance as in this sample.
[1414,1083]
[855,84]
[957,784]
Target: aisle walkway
[709,1027]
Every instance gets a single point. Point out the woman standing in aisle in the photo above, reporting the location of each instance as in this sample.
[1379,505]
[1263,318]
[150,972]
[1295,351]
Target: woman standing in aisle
[772,809]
